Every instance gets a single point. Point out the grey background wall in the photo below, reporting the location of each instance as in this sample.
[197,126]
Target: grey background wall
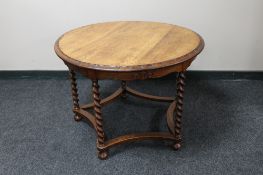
[232,29]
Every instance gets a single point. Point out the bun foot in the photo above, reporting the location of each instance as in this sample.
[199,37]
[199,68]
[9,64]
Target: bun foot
[177,146]
[103,155]
[77,118]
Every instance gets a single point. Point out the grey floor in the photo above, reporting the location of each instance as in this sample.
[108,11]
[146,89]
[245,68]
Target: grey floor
[222,129]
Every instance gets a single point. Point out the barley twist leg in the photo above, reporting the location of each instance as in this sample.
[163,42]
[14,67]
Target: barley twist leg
[123,86]
[102,154]
[74,91]
[179,109]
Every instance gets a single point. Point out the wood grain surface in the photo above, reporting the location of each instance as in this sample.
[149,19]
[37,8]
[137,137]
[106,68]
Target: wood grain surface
[128,44]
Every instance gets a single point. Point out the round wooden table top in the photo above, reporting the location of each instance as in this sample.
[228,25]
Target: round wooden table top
[128,46]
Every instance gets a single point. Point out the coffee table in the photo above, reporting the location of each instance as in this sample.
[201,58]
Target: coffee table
[125,51]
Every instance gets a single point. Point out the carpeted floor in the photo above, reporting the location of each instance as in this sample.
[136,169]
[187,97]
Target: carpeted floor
[222,129]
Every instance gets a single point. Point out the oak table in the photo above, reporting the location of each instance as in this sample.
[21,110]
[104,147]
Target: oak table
[129,50]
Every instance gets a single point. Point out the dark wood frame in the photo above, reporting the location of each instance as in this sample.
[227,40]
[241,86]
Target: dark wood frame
[96,120]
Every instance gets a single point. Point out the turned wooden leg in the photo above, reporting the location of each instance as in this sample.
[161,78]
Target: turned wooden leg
[74,92]
[179,109]
[102,154]
[123,86]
